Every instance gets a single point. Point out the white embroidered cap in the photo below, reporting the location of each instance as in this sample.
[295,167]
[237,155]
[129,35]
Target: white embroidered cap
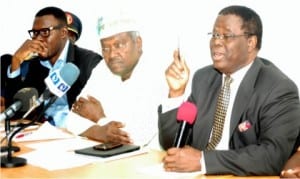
[115,24]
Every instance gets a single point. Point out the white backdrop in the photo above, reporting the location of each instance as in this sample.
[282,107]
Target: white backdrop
[163,21]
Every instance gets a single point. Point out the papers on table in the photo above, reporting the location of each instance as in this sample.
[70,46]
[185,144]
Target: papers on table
[45,132]
[158,170]
[49,154]
[59,154]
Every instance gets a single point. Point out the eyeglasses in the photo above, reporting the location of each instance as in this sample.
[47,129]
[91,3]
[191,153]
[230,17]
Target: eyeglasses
[226,36]
[44,32]
[116,46]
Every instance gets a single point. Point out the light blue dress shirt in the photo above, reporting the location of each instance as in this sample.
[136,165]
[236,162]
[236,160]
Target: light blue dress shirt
[60,108]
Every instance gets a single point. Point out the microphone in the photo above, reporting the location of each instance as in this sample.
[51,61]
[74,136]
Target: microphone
[58,83]
[11,110]
[186,115]
[23,100]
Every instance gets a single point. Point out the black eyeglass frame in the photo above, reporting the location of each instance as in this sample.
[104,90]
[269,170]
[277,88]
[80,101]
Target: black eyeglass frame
[44,32]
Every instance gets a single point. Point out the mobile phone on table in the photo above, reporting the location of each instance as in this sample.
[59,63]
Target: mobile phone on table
[107,146]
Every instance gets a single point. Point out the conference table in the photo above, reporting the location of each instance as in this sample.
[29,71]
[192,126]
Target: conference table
[120,168]
[113,169]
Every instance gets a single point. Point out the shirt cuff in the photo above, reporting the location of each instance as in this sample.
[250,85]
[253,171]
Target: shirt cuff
[77,124]
[13,74]
[103,121]
[202,163]
[171,103]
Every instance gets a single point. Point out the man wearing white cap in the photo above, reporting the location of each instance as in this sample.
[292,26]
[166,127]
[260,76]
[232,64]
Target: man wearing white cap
[119,102]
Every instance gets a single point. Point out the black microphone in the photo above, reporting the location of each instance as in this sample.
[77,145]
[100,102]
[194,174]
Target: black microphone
[186,115]
[11,110]
[23,100]
[58,83]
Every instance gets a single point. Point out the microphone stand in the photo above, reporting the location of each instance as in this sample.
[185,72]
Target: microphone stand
[7,123]
[9,161]
[7,132]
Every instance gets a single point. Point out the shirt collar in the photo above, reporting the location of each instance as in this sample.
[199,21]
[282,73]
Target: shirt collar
[62,59]
[239,75]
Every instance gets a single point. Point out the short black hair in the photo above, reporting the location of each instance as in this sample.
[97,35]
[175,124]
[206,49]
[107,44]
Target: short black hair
[251,20]
[55,11]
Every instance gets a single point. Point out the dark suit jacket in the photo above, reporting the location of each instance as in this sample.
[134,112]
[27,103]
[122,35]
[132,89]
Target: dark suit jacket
[267,98]
[84,59]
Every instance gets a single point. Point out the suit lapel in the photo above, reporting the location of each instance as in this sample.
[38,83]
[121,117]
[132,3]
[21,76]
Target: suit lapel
[244,94]
[207,99]
[71,53]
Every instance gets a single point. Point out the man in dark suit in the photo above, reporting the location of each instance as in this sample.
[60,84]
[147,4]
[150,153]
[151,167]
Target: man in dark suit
[262,118]
[50,41]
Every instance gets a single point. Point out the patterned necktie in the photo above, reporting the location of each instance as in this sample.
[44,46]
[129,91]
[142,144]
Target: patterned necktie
[222,104]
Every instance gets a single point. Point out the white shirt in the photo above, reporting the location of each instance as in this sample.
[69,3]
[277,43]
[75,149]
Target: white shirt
[133,102]
[237,79]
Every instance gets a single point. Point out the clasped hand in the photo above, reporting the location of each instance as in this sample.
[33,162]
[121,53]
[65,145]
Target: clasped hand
[113,133]
[186,159]
[89,108]
[29,47]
